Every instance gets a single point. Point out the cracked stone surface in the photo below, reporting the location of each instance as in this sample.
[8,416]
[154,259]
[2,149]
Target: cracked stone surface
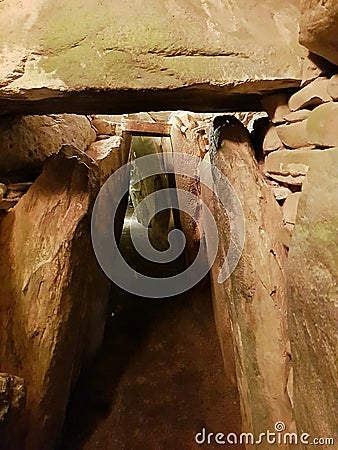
[12,393]
[290,166]
[319,27]
[12,401]
[27,141]
[57,305]
[322,125]
[311,273]
[78,54]
[253,295]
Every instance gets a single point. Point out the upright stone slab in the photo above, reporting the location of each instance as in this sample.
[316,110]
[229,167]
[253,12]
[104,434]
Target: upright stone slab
[220,306]
[158,223]
[46,271]
[311,284]
[254,293]
[189,136]
[54,294]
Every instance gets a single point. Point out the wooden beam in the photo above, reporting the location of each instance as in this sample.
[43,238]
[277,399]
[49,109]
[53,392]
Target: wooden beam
[141,128]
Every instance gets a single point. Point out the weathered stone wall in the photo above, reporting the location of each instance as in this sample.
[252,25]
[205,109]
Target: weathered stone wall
[66,56]
[311,270]
[112,57]
[189,135]
[300,127]
[158,223]
[295,146]
[319,28]
[27,141]
[54,294]
[300,157]
[254,293]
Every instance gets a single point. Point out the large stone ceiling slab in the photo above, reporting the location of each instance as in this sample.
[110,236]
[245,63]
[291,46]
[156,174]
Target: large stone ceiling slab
[89,55]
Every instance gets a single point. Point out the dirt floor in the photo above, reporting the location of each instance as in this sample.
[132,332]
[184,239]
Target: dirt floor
[158,380]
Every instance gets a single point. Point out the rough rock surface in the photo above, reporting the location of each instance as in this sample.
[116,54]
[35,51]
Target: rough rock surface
[291,166]
[48,292]
[54,293]
[84,56]
[220,307]
[297,116]
[103,126]
[293,135]
[27,141]
[322,125]
[271,140]
[311,270]
[12,401]
[158,223]
[12,394]
[280,192]
[254,293]
[276,106]
[332,88]
[285,234]
[311,71]
[319,28]
[189,135]
[3,190]
[312,94]
[108,154]
[290,208]
[315,66]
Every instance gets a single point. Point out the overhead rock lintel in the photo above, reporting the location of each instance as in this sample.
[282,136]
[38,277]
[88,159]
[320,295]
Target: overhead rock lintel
[107,56]
[201,97]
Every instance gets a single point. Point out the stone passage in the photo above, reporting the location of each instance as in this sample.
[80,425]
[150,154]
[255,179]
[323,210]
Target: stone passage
[275,316]
[159,377]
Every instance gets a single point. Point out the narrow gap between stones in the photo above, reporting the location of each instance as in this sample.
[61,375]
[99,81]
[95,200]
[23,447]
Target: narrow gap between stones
[158,379]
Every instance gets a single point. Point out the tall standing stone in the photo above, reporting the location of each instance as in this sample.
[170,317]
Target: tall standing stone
[254,293]
[188,135]
[311,270]
[54,293]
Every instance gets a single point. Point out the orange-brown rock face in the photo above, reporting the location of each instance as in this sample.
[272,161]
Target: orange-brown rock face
[48,292]
[189,135]
[311,270]
[27,141]
[254,294]
[319,28]
[54,294]
[144,55]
